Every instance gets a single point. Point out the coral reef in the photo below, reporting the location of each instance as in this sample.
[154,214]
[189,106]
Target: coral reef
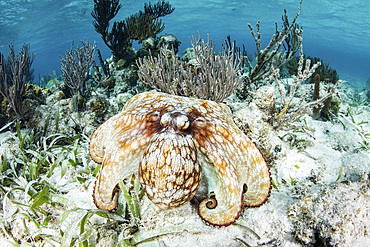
[329,169]
[305,71]
[168,42]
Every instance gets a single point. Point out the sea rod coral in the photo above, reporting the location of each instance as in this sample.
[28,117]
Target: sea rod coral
[19,72]
[138,26]
[75,65]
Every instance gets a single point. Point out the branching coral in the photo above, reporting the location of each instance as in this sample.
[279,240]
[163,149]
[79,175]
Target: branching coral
[104,11]
[214,78]
[291,44]
[138,26]
[20,66]
[287,118]
[75,65]
[270,56]
[159,9]
[326,73]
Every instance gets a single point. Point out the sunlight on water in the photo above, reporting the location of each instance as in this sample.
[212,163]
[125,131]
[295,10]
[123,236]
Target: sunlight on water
[337,32]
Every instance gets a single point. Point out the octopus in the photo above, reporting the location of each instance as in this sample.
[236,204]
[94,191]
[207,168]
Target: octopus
[177,145]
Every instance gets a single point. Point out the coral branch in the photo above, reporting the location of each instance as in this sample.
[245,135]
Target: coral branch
[75,65]
[214,78]
[20,65]
[159,9]
[138,26]
[305,71]
[270,57]
[104,11]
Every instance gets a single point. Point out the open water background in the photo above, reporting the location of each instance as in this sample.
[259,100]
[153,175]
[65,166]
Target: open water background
[336,31]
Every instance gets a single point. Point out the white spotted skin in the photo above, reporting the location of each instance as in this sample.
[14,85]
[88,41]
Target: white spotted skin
[175,177]
[173,142]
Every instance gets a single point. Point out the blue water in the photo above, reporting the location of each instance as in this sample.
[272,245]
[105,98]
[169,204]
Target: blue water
[336,31]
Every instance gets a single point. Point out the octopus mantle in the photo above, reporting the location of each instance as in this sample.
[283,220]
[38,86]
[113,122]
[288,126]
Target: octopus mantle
[176,143]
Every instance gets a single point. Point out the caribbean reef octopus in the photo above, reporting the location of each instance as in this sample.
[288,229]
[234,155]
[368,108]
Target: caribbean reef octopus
[175,144]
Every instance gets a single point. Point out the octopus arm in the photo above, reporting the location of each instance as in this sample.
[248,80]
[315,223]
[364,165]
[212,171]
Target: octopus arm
[120,149]
[114,168]
[253,171]
[224,208]
[102,135]
[118,123]
[235,169]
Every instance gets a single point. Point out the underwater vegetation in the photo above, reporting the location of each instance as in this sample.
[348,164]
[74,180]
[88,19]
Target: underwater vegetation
[47,173]
[215,77]
[138,26]
[271,56]
[291,45]
[15,73]
[75,66]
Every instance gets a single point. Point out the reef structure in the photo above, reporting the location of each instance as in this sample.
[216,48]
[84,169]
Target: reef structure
[175,144]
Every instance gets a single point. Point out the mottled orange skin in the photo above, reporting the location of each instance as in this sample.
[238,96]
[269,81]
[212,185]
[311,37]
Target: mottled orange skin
[174,143]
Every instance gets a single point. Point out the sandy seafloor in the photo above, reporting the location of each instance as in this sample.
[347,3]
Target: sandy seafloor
[321,195]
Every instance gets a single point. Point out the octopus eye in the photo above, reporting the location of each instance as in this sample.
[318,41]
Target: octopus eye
[165,119]
[200,122]
[182,122]
[245,188]
[154,117]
